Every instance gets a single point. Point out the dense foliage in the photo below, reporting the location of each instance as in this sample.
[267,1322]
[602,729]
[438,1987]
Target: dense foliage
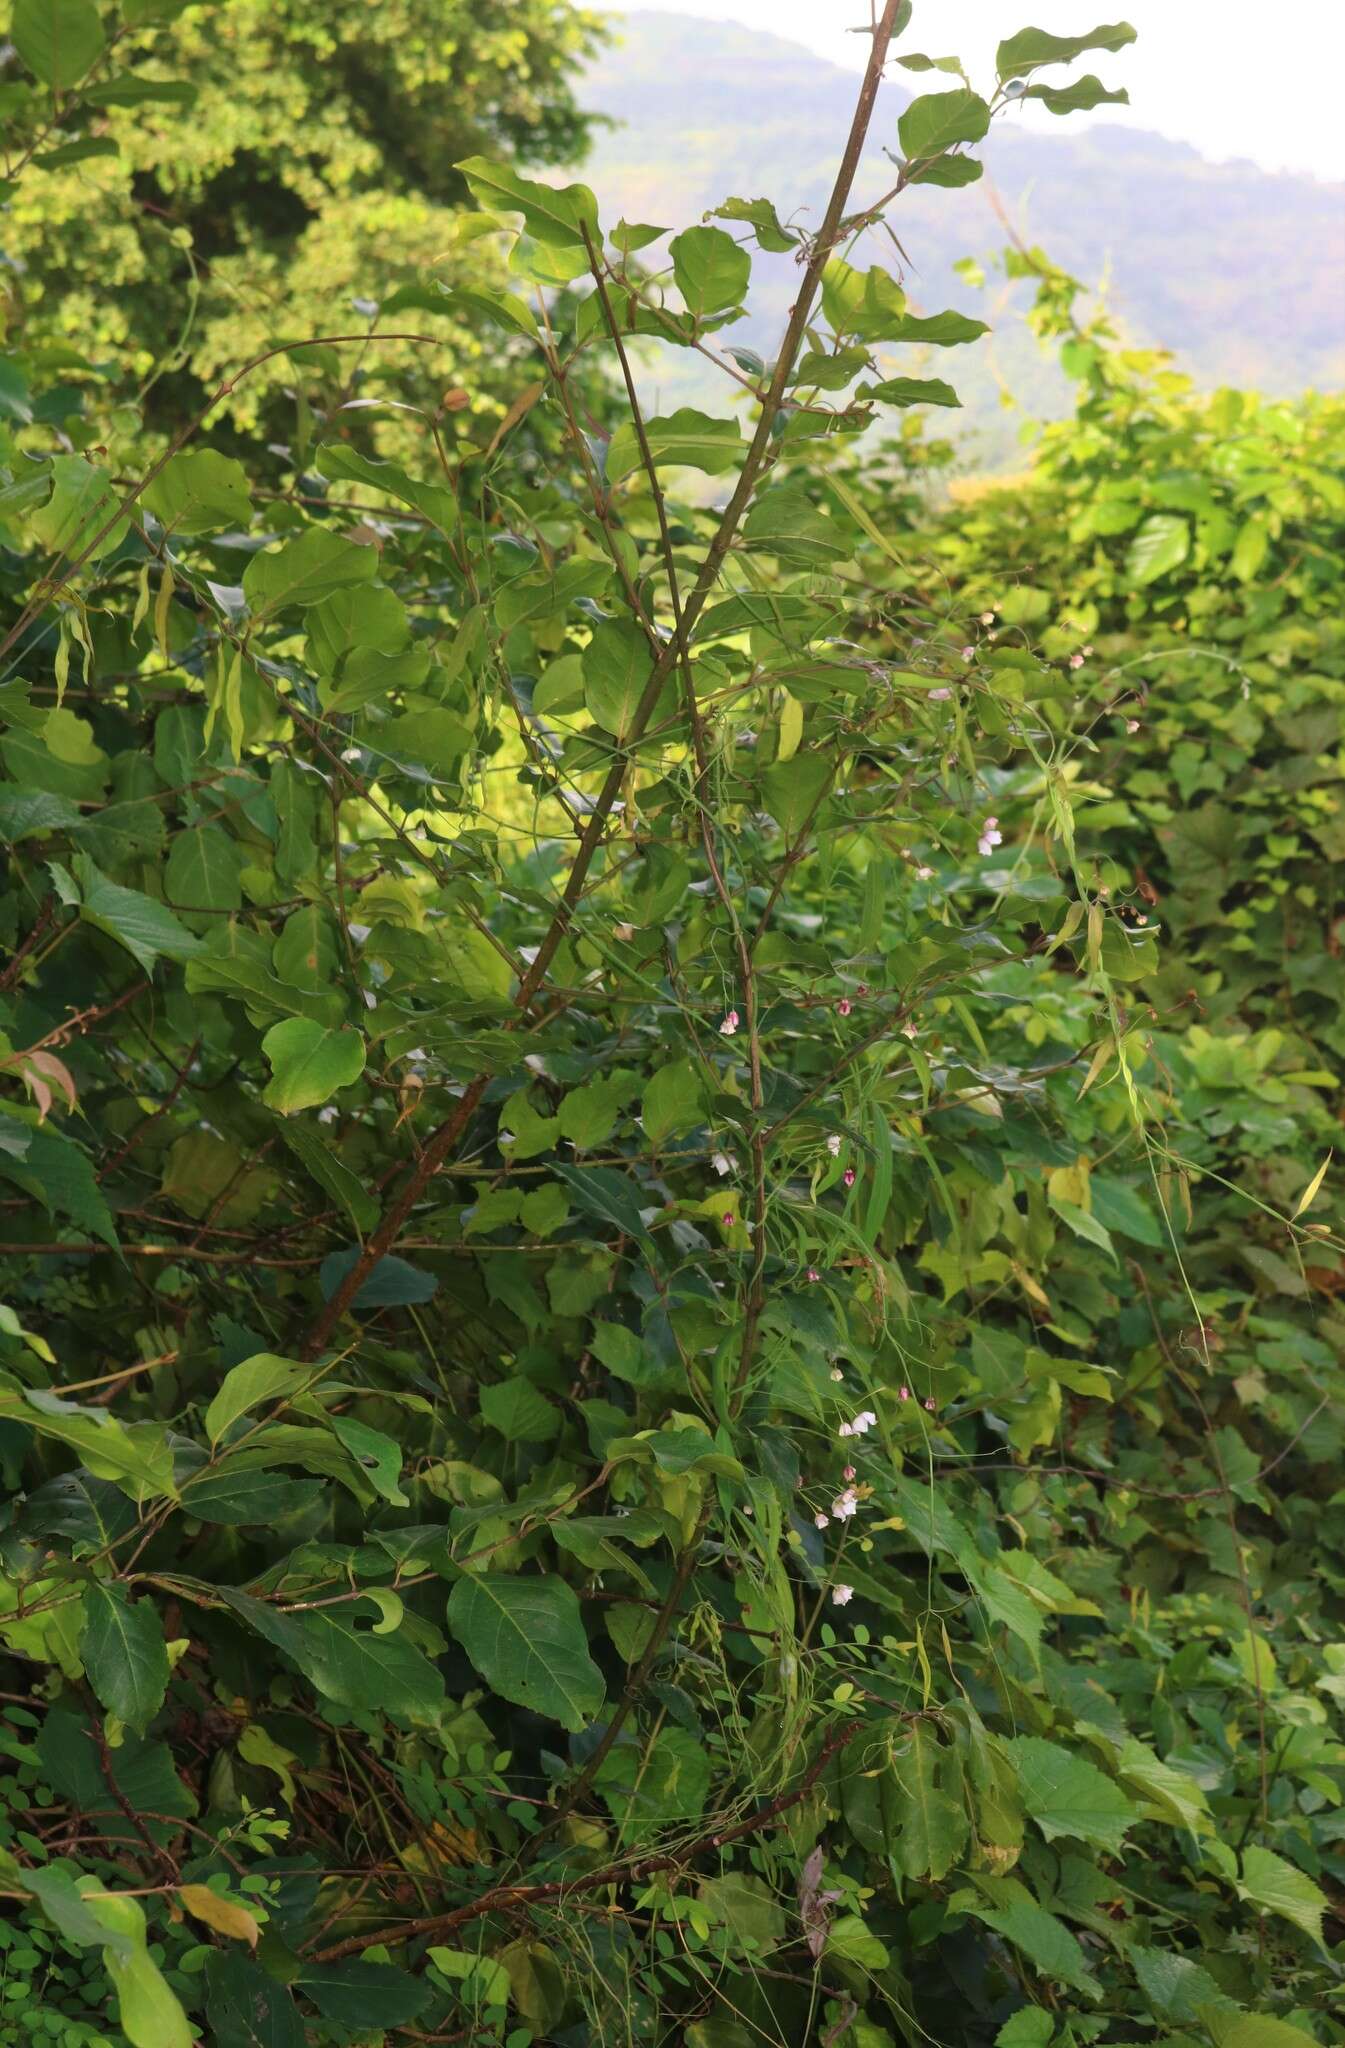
[667,1370]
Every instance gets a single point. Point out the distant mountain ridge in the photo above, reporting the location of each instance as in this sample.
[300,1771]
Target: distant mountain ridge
[1240,272]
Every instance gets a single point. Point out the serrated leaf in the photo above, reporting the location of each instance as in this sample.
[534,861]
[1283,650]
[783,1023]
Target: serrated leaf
[1067,1795]
[1281,1887]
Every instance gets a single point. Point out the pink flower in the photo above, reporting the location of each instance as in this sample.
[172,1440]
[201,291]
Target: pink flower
[813,1273]
[939,696]
[924,874]
[969,654]
[903,1393]
[930,1403]
[834,1145]
[1076,661]
[728,1219]
[844,1006]
[849,1176]
[990,838]
[909,1031]
[846,1429]
[863,989]
[849,1472]
[820,1520]
[729,1025]
[841,1596]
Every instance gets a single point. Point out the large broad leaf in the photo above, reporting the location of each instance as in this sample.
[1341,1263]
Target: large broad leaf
[150,2013]
[684,440]
[1066,1795]
[200,491]
[933,1820]
[651,1785]
[1162,544]
[617,665]
[1280,1887]
[674,1100]
[711,272]
[83,498]
[248,1385]
[1079,97]
[306,570]
[59,40]
[360,1994]
[434,500]
[124,1654]
[309,1063]
[136,921]
[557,215]
[358,1668]
[1045,1941]
[938,120]
[526,1638]
[1032,47]
[392,1283]
[246,2007]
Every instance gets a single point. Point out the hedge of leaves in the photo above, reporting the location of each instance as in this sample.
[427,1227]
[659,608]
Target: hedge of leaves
[668,1369]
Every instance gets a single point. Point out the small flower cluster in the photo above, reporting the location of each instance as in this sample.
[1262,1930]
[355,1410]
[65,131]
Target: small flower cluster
[863,1422]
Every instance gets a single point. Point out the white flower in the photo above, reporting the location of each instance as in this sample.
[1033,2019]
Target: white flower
[721,1163]
[834,1145]
[924,874]
[990,838]
[939,696]
[845,1504]
[842,1595]
[969,654]
[729,1025]
[820,1520]
[846,1429]
[836,1373]
[863,1422]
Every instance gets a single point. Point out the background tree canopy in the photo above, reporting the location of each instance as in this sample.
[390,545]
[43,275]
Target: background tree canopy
[669,1357]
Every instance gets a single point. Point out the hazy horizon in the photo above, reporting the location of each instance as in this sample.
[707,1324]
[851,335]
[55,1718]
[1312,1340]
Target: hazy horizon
[1266,94]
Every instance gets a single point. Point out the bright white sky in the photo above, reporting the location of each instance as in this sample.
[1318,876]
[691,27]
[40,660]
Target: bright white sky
[1234,77]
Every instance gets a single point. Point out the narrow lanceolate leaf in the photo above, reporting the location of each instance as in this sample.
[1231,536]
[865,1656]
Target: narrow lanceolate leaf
[124,1653]
[526,1637]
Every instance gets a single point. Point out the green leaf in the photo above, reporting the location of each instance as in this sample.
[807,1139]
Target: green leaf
[145,928]
[1029,2027]
[560,216]
[124,1654]
[305,571]
[392,1283]
[360,1994]
[1280,1887]
[246,1499]
[933,1821]
[649,1785]
[617,665]
[370,1673]
[332,1175]
[309,1062]
[673,1101]
[1045,1941]
[911,391]
[59,40]
[1161,545]
[264,1377]
[1032,47]
[1176,1987]
[710,270]
[82,499]
[150,2014]
[200,491]
[434,500]
[944,330]
[519,1411]
[1067,1795]
[761,215]
[938,120]
[1082,1224]
[1077,98]
[526,1638]
[246,2007]
[792,790]
[683,440]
